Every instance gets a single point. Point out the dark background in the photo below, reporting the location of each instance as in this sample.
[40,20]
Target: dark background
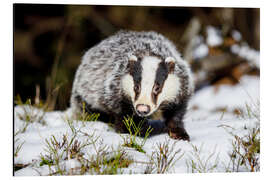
[49,41]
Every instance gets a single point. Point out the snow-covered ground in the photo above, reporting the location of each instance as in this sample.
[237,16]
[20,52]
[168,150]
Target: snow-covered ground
[212,113]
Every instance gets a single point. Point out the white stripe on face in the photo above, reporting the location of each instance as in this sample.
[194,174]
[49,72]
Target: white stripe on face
[170,89]
[128,86]
[149,68]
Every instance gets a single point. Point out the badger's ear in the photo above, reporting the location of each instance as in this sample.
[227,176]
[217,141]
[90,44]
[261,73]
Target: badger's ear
[170,62]
[132,58]
[131,61]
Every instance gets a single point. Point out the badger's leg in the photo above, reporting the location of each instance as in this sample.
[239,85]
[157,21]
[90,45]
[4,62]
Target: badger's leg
[174,121]
[119,125]
[126,110]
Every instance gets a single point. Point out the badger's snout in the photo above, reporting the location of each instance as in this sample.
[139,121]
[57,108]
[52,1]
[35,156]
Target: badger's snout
[142,109]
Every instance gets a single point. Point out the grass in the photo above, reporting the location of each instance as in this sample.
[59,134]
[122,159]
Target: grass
[84,116]
[57,151]
[30,113]
[245,155]
[96,157]
[135,130]
[18,147]
[103,160]
[163,158]
[245,152]
[108,162]
[201,164]
[80,117]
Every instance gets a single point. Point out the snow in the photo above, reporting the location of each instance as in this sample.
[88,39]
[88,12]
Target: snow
[199,48]
[203,121]
[200,52]
[236,35]
[244,51]
[72,163]
[245,92]
[214,37]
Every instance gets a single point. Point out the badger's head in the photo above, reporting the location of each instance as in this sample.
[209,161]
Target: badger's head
[150,82]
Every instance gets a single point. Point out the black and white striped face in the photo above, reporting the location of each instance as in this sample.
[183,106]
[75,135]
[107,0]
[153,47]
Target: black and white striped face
[150,82]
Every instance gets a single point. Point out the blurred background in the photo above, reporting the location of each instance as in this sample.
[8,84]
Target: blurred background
[220,44]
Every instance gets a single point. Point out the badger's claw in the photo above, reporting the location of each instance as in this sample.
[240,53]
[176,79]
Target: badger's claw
[179,135]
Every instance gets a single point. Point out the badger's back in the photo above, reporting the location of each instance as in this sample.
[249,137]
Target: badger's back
[98,78]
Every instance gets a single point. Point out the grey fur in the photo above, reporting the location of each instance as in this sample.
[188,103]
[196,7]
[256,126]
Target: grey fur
[98,78]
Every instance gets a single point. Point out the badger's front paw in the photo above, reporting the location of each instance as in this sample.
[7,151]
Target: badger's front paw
[179,134]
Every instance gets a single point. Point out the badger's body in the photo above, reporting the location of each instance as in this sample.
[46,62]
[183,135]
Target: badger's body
[134,74]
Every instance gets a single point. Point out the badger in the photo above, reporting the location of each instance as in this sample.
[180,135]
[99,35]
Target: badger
[136,74]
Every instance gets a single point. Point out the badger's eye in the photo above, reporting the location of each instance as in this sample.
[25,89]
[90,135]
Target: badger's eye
[156,89]
[137,88]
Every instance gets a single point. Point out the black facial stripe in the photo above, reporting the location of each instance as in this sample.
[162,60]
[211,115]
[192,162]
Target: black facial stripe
[136,72]
[161,76]
[162,73]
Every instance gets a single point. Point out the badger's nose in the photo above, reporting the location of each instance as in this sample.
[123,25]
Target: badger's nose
[143,109]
